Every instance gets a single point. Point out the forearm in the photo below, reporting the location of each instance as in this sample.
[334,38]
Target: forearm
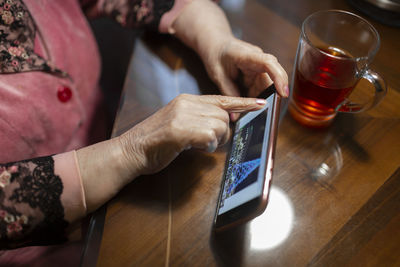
[202,25]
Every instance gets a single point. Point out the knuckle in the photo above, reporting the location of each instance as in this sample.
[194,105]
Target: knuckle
[173,125]
[257,48]
[224,102]
[209,135]
[225,117]
[270,57]
[223,129]
[183,96]
[182,102]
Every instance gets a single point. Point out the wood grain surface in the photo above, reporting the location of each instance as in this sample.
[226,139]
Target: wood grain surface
[343,213]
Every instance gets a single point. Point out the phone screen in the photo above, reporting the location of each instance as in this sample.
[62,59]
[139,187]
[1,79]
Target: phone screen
[244,176]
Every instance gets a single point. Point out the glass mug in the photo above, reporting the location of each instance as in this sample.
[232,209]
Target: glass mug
[334,51]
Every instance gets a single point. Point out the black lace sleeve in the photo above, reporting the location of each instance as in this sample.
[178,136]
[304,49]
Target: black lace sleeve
[31,212]
[137,13]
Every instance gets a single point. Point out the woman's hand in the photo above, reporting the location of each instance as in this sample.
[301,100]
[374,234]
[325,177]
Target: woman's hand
[203,26]
[233,57]
[188,121]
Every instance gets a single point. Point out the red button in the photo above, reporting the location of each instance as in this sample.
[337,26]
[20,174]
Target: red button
[64,94]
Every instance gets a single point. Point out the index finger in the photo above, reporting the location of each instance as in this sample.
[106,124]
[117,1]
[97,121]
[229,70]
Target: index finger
[232,103]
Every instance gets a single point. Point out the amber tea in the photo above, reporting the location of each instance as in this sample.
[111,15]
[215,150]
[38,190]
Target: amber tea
[316,91]
[334,51]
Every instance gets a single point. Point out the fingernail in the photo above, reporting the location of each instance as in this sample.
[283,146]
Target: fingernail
[287,92]
[233,116]
[212,146]
[261,101]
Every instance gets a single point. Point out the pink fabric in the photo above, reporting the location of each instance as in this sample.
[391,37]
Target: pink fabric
[33,122]
[168,18]
[61,255]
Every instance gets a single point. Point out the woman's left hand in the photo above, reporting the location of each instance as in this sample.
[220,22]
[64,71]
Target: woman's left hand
[203,26]
[259,70]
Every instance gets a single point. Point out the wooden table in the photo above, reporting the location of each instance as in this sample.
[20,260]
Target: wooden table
[336,193]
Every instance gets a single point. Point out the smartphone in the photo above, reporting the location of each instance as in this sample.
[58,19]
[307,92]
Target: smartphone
[248,169]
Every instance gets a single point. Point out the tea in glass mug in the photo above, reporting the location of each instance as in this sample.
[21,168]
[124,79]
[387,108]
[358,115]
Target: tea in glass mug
[334,53]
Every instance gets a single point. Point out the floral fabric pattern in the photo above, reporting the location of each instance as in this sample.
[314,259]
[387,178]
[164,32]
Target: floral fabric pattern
[17,37]
[134,13]
[137,13]
[30,206]
[18,30]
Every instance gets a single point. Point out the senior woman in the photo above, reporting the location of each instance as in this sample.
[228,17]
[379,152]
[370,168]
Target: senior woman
[49,72]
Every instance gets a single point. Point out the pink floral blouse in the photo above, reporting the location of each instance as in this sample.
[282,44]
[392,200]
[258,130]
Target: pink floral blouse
[49,71]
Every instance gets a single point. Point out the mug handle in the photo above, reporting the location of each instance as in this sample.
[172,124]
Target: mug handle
[380,91]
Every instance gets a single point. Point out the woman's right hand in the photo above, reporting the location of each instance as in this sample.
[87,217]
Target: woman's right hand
[188,121]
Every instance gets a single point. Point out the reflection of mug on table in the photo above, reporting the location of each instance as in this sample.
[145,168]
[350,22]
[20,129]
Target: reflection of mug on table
[335,49]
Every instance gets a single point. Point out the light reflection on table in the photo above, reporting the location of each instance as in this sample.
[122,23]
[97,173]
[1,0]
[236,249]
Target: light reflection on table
[272,228]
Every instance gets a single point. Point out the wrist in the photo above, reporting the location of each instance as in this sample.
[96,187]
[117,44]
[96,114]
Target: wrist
[131,159]
[104,171]
[203,27]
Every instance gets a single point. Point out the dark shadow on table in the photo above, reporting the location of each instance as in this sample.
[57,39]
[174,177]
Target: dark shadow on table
[154,188]
[228,246]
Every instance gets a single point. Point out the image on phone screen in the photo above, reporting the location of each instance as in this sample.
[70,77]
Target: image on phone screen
[244,175]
